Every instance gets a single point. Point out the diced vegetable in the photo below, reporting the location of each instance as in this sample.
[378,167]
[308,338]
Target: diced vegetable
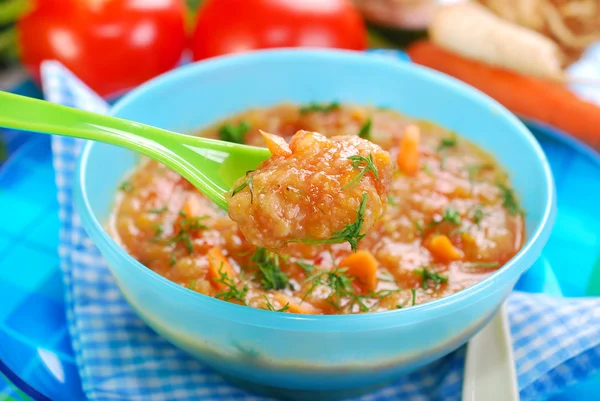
[363,266]
[408,154]
[218,264]
[441,247]
[276,144]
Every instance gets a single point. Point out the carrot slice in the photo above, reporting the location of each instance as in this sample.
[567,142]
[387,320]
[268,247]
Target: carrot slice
[549,102]
[363,266]
[276,144]
[218,264]
[408,154]
[441,247]
[304,308]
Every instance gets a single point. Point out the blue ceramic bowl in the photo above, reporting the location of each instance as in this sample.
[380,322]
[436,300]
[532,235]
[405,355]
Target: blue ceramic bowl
[314,352]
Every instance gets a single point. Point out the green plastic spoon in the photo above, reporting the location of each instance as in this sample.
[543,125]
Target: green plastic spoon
[210,165]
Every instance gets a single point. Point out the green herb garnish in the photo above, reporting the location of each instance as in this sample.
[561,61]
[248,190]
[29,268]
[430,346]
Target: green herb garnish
[269,265]
[365,164]
[419,228]
[158,211]
[509,200]
[473,170]
[158,231]
[340,285]
[126,186]
[414,295]
[452,216]
[232,292]
[365,130]
[188,226]
[234,133]
[447,142]
[319,107]
[192,284]
[272,308]
[247,183]
[308,268]
[172,259]
[430,275]
[478,214]
[392,200]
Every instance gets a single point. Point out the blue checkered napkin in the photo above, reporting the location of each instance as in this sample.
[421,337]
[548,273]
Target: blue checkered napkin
[556,341]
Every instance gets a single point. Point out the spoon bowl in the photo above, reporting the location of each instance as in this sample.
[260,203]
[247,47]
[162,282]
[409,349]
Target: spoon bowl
[210,165]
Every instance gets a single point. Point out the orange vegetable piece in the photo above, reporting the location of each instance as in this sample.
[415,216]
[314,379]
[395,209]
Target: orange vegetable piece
[408,154]
[363,266]
[441,247]
[276,144]
[549,102]
[304,308]
[218,263]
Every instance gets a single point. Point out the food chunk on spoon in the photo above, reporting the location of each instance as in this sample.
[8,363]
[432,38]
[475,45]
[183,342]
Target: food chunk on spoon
[315,190]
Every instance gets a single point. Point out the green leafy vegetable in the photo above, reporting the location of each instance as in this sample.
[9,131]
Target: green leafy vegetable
[308,268]
[509,200]
[478,214]
[234,133]
[365,164]
[232,291]
[365,130]
[126,186]
[319,107]
[247,183]
[192,285]
[447,142]
[428,276]
[158,211]
[392,200]
[269,265]
[452,216]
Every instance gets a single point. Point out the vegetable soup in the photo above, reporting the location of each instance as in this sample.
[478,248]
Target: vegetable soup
[444,218]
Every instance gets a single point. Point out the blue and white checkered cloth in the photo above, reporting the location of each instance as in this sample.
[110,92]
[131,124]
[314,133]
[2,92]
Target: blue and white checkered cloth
[556,341]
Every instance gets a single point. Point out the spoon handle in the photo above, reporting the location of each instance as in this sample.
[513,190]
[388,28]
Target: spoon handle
[210,165]
[28,114]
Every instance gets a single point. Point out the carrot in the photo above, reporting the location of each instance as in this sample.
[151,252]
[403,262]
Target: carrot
[408,153]
[441,248]
[276,144]
[545,101]
[304,308]
[363,266]
[218,264]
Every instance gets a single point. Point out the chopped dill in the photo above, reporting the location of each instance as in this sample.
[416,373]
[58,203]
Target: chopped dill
[365,164]
[272,308]
[428,276]
[319,107]
[234,133]
[365,130]
[269,265]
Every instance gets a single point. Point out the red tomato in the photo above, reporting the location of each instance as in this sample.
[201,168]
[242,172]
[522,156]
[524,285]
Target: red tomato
[230,26]
[112,45]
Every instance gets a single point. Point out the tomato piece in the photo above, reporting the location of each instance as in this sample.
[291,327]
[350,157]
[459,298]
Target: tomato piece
[112,45]
[232,26]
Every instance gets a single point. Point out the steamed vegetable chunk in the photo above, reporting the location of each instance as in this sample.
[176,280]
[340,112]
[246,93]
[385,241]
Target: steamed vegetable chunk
[318,190]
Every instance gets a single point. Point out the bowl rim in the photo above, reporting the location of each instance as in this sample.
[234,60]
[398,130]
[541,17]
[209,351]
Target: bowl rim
[298,322]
